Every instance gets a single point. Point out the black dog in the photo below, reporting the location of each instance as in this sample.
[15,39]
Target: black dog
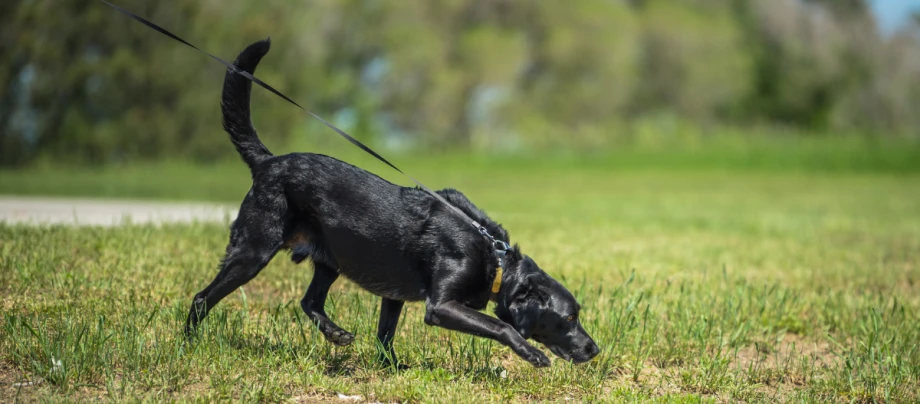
[396,242]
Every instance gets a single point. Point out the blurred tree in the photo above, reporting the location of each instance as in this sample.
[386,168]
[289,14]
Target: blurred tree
[847,8]
[695,63]
[73,89]
[81,83]
[12,145]
[582,69]
[797,49]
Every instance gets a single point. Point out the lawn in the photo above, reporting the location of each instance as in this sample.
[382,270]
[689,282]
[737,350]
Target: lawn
[714,284]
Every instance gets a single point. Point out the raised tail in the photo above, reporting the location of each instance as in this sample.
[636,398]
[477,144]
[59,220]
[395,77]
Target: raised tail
[235,106]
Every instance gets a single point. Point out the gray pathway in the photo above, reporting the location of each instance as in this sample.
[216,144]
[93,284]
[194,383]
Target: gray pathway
[107,212]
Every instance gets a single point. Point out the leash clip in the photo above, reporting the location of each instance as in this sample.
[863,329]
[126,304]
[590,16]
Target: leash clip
[500,247]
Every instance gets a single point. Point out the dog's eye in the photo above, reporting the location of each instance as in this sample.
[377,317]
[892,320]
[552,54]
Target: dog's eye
[570,318]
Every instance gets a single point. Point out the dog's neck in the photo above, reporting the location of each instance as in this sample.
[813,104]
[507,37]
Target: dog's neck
[510,278]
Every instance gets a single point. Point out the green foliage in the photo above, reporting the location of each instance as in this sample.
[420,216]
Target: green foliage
[695,62]
[82,84]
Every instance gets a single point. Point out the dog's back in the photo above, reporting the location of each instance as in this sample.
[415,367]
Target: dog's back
[382,236]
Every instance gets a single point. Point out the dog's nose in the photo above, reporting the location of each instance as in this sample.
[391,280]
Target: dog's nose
[586,353]
[592,350]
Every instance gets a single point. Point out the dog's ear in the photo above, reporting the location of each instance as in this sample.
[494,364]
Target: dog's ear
[525,314]
[525,306]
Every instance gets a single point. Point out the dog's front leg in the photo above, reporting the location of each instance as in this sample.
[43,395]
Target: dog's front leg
[390,311]
[455,316]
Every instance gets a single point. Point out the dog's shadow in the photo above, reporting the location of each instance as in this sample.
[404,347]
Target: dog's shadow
[344,361]
[339,363]
[334,362]
[479,373]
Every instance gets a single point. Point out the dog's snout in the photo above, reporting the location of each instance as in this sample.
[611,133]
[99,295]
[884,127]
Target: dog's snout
[586,353]
[592,350]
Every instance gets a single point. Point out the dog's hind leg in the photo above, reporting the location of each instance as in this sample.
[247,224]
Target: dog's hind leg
[314,302]
[255,237]
[390,310]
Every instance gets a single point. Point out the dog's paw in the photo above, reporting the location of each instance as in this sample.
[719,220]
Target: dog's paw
[190,333]
[385,363]
[398,366]
[537,358]
[340,337]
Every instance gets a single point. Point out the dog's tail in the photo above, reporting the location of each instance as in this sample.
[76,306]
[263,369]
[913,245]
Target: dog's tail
[235,106]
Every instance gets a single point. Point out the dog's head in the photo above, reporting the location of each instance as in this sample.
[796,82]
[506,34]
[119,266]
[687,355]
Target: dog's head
[540,308]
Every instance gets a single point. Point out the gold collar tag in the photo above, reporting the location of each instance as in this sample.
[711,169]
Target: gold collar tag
[497,283]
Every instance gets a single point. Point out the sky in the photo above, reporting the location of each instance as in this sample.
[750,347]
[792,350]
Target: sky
[893,13]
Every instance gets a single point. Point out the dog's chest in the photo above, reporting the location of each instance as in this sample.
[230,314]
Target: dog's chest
[380,266]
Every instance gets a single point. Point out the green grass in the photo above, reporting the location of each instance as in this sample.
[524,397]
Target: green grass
[713,284]
[659,150]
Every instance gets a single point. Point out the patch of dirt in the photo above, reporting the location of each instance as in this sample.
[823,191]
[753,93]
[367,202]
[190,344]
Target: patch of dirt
[790,345]
[313,398]
[15,387]
[662,380]
[776,368]
[7,303]
[787,352]
[788,364]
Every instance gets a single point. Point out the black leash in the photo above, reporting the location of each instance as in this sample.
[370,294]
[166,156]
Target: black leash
[501,247]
